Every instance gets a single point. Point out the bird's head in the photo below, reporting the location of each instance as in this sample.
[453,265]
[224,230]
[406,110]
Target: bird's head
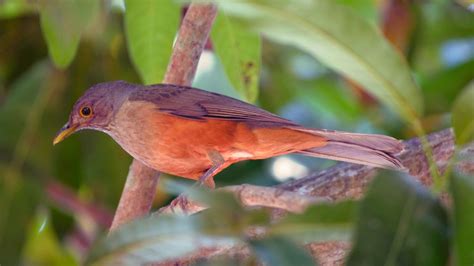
[96,108]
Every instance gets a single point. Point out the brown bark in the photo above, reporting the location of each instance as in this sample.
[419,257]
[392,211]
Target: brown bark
[250,196]
[137,195]
[140,187]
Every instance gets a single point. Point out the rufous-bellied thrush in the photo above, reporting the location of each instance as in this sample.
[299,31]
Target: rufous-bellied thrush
[195,134]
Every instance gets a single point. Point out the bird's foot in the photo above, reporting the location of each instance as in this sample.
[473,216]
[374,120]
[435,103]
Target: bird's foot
[180,203]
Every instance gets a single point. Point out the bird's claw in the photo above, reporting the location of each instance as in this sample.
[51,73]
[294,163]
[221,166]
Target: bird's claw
[180,204]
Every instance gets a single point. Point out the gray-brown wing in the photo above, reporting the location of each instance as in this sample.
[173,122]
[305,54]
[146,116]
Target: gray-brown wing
[198,104]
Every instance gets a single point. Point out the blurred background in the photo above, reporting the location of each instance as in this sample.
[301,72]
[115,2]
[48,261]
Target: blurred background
[54,201]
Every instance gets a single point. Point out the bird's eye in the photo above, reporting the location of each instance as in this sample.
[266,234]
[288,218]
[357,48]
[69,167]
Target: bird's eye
[86,111]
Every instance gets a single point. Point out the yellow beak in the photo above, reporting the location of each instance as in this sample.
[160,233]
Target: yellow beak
[64,132]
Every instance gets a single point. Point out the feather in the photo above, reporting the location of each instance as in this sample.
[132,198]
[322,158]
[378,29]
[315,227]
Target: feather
[199,104]
[196,104]
[368,149]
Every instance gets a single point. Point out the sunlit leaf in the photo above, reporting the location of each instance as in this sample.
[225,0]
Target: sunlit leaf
[62,22]
[153,239]
[239,51]
[321,222]
[462,189]
[400,223]
[463,115]
[279,251]
[342,40]
[151,27]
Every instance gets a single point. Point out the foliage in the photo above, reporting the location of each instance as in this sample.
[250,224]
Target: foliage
[321,63]
[340,39]
[462,115]
[402,235]
[162,237]
[62,23]
[239,51]
[151,28]
[461,188]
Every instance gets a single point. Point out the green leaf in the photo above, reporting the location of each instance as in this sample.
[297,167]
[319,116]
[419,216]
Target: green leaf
[214,78]
[365,8]
[42,246]
[400,223]
[279,251]
[153,239]
[441,88]
[225,215]
[341,39]
[17,204]
[463,115]
[23,94]
[14,8]
[321,222]
[62,22]
[239,52]
[151,27]
[462,189]
[327,97]
[163,237]
[439,23]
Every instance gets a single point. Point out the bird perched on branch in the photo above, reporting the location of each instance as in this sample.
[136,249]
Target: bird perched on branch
[195,134]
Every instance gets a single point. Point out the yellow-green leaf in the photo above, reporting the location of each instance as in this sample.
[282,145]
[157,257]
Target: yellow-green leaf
[462,189]
[62,23]
[239,51]
[151,26]
[463,115]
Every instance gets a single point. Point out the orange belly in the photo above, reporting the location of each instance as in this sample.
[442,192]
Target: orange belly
[181,146]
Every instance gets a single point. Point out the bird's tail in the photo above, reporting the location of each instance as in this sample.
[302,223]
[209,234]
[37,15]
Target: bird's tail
[367,149]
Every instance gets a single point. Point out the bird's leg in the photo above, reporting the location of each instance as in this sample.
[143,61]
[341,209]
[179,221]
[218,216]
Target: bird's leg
[207,178]
[217,164]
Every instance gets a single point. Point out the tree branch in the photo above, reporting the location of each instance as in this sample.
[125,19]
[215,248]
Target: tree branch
[345,180]
[137,195]
[140,187]
[342,181]
[250,195]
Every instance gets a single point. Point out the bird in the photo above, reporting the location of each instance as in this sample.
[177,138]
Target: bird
[195,134]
